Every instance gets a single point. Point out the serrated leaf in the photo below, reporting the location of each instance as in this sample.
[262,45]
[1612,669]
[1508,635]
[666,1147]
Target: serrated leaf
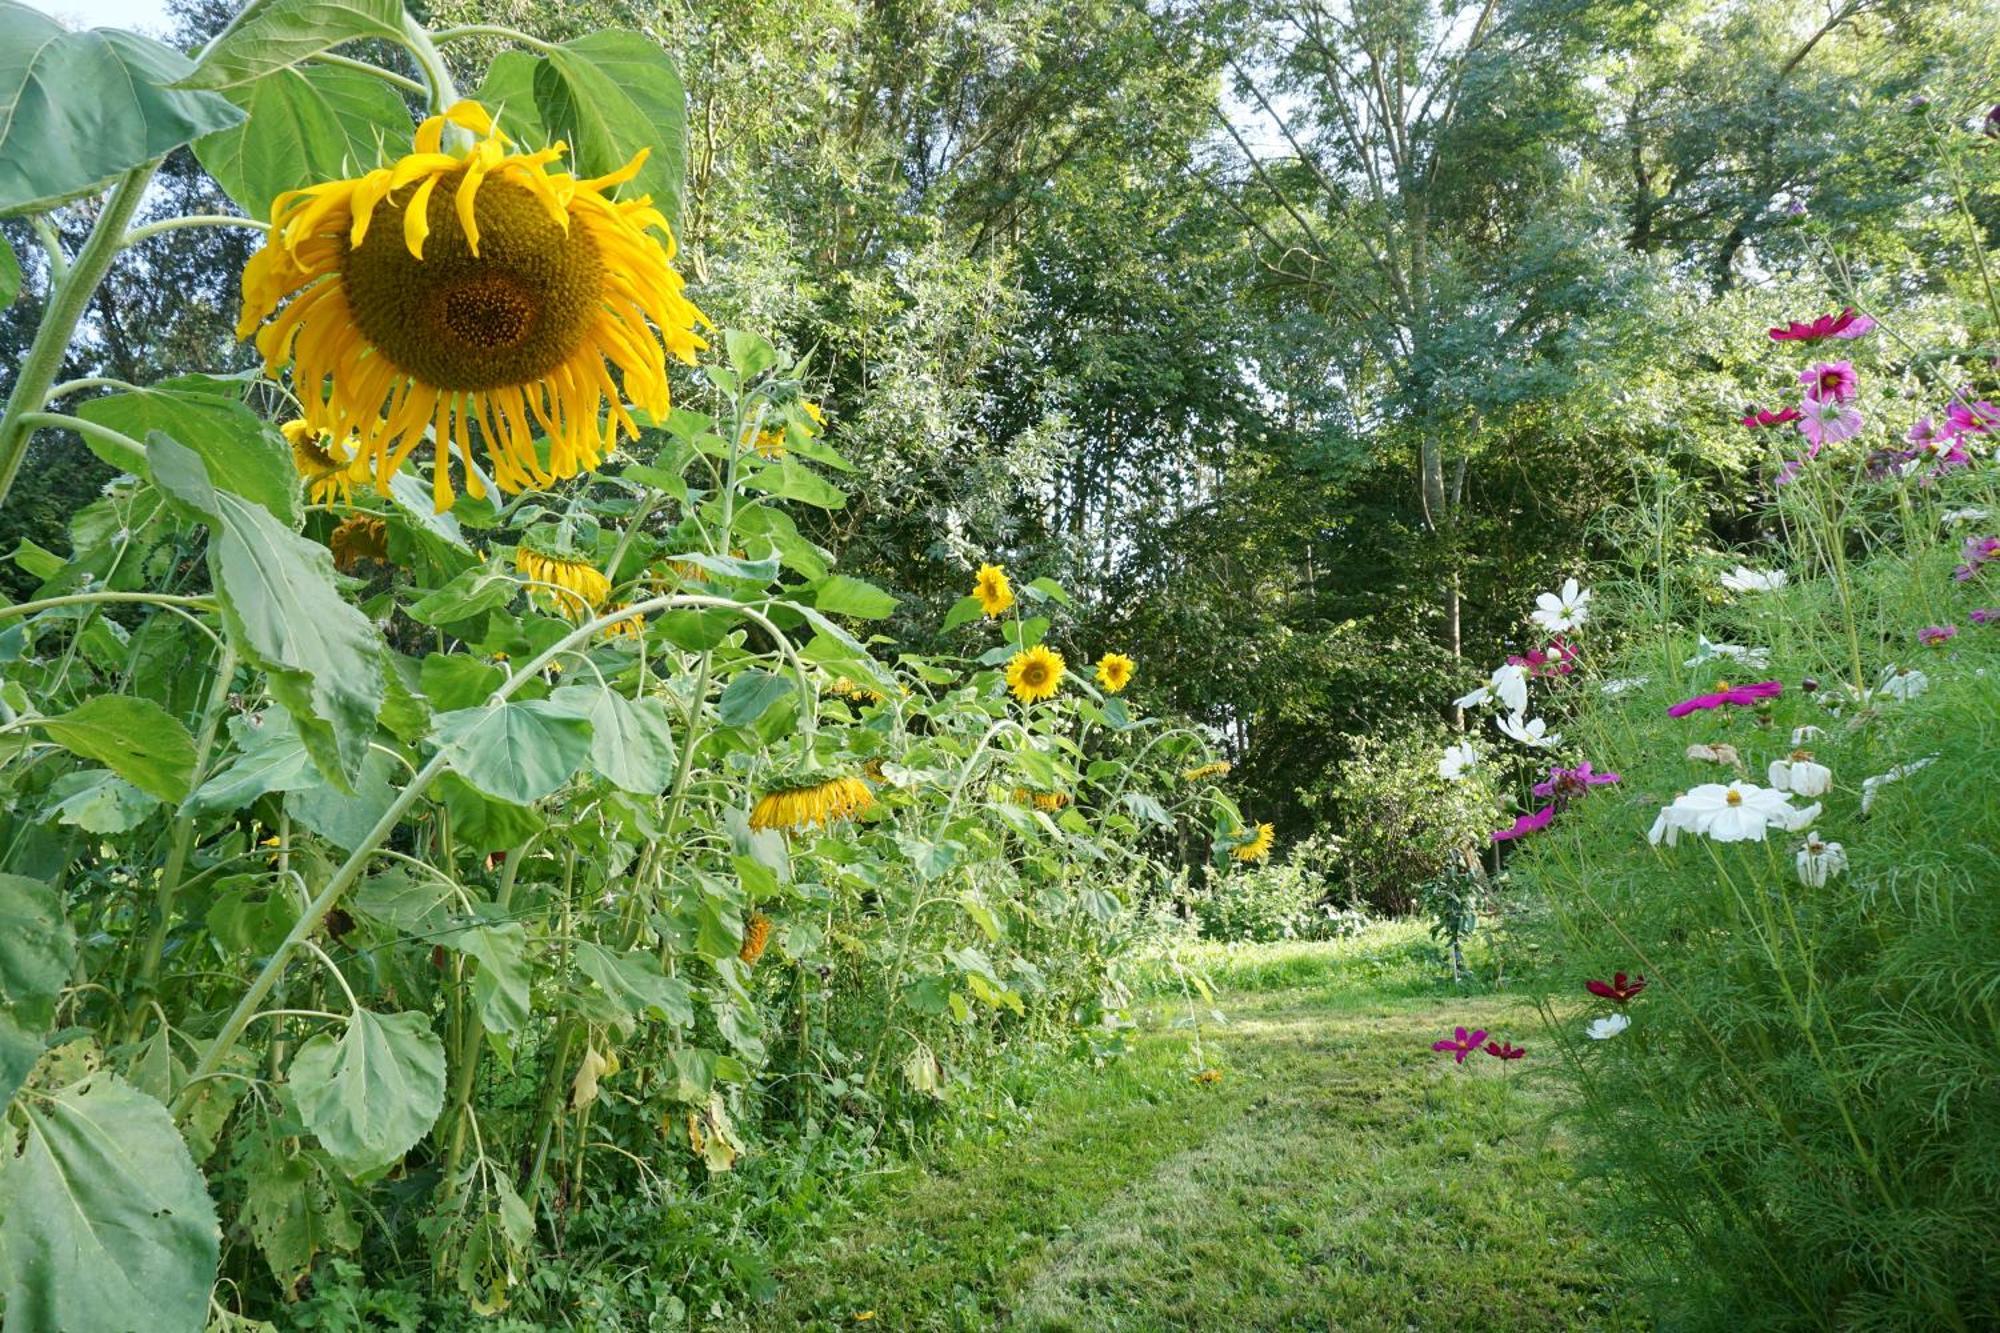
[500,986]
[272,34]
[97,800]
[270,757]
[793,480]
[372,1094]
[346,818]
[748,695]
[635,984]
[105,1216]
[631,740]
[609,95]
[78,108]
[840,595]
[234,442]
[963,612]
[295,1214]
[135,738]
[517,751]
[304,125]
[37,948]
[473,592]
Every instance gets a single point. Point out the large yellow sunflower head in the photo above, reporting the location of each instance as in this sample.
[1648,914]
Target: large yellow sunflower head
[1258,848]
[561,581]
[1114,672]
[328,469]
[804,803]
[477,293]
[1035,674]
[994,592]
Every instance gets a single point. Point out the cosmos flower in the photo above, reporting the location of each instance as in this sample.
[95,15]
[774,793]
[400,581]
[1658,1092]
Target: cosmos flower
[1745,579]
[1558,659]
[1570,783]
[1716,754]
[1526,824]
[1618,990]
[1903,683]
[1800,775]
[1728,812]
[1936,636]
[1829,421]
[1740,696]
[1531,732]
[1461,1043]
[1458,760]
[1963,418]
[1953,518]
[1757,418]
[1501,1050]
[1872,787]
[1975,553]
[1704,651]
[1624,684]
[1563,610]
[1819,861]
[1830,381]
[1508,684]
[1849,323]
[1604,1029]
[1983,615]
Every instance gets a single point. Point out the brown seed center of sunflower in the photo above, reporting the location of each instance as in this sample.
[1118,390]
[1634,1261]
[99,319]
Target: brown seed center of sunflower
[456,321]
[1034,674]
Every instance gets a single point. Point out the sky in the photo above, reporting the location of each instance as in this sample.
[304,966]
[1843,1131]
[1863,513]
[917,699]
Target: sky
[139,15]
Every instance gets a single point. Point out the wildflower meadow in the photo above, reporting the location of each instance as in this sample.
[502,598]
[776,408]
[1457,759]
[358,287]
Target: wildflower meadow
[977,664]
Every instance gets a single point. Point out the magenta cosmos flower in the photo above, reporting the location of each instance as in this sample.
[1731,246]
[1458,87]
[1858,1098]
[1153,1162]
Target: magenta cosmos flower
[1984,616]
[1740,696]
[1569,783]
[1834,380]
[1558,659]
[1461,1043]
[1979,418]
[1829,421]
[1526,824]
[1977,553]
[1757,418]
[1936,636]
[1849,323]
[1501,1050]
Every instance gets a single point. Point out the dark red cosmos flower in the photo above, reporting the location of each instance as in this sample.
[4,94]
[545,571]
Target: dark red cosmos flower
[1757,418]
[1618,989]
[1849,323]
[1501,1050]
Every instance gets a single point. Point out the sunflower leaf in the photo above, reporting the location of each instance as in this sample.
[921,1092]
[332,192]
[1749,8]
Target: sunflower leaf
[518,752]
[609,95]
[270,35]
[208,417]
[304,125]
[373,1093]
[136,738]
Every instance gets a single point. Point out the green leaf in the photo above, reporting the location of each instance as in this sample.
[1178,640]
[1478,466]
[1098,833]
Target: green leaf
[635,984]
[97,800]
[10,274]
[270,757]
[500,986]
[1146,808]
[272,34]
[609,95]
[412,904]
[78,108]
[106,1216]
[792,480]
[763,523]
[840,595]
[135,738]
[1046,589]
[413,498]
[323,658]
[305,125]
[631,740]
[473,593]
[963,612]
[749,353]
[373,1093]
[508,94]
[34,559]
[346,818]
[458,681]
[295,1213]
[481,823]
[519,752]
[37,949]
[233,441]
[748,694]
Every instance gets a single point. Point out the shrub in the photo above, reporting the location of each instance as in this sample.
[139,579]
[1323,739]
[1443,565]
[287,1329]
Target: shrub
[1400,824]
[1283,901]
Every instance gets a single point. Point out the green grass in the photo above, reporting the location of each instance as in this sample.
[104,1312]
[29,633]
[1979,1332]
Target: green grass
[1340,1176]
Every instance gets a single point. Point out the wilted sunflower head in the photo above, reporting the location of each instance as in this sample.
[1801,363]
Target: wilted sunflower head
[476,291]
[807,802]
[756,936]
[632,627]
[1114,672]
[561,581]
[991,587]
[1219,768]
[327,469]
[1035,674]
[1258,847]
[359,537]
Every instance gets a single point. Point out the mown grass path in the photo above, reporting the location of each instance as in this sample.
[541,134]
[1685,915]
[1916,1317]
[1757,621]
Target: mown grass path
[1340,1176]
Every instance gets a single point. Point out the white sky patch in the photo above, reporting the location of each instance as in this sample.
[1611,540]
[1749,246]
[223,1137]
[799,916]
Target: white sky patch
[147,16]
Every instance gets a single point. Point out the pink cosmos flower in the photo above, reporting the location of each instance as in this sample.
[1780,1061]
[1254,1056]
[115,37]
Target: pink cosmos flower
[1923,432]
[1936,636]
[1984,616]
[1461,1043]
[1849,323]
[1558,659]
[1526,824]
[1756,418]
[1501,1050]
[1829,421]
[1834,380]
[1569,783]
[1962,418]
[1742,696]
[1976,552]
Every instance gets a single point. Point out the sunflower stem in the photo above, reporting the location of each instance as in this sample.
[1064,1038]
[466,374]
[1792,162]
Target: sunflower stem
[67,301]
[152,229]
[464,31]
[388,76]
[443,92]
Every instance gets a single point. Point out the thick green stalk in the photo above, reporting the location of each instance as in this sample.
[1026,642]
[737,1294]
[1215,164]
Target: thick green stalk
[465,1055]
[67,303]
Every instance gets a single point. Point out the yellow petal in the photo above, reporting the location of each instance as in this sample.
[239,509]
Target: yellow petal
[417,218]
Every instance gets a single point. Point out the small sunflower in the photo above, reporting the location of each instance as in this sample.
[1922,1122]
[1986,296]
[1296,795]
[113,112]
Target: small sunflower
[1114,672]
[326,472]
[1208,1077]
[816,803]
[1048,802]
[565,583]
[770,445]
[450,289]
[632,627]
[756,937]
[1035,674]
[1220,768]
[1259,846]
[845,688]
[359,537]
[994,592]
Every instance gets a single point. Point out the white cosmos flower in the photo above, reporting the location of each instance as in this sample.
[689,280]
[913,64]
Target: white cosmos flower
[1801,775]
[1871,786]
[1819,862]
[1728,812]
[1531,732]
[1745,579]
[1458,759]
[1623,684]
[1604,1029]
[1800,735]
[1716,754]
[1508,684]
[1564,610]
[1956,517]
[1904,683]
[1704,651]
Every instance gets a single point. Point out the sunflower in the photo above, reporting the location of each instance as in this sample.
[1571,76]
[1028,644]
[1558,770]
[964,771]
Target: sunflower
[811,803]
[994,592]
[1035,674]
[1048,802]
[632,627]
[1208,1077]
[756,936]
[564,583]
[1114,672]
[325,471]
[1259,846]
[770,445]
[845,688]
[359,537]
[476,287]
[1219,768]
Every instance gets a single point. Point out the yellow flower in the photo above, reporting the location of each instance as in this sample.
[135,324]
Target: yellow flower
[359,537]
[1208,1077]
[1051,801]
[475,289]
[632,627]
[1035,674]
[818,803]
[770,444]
[1215,770]
[994,592]
[327,471]
[562,582]
[845,688]
[1114,672]
[756,936]
[1259,846]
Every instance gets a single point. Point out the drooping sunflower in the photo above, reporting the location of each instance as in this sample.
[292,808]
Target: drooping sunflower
[807,804]
[994,592]
[1259,846]
[844,687]
[1048,802]
[477,288]
[1035,674]
[1114,672]
[564,583]
[358,537]
[1220,768]
[756,937]
[632,627]
[327,469]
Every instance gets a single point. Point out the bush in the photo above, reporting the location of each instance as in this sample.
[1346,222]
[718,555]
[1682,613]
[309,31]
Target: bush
[1401,825]
[1285,901]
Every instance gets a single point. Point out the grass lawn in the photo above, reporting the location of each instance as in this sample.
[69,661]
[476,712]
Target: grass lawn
[1340,1176]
